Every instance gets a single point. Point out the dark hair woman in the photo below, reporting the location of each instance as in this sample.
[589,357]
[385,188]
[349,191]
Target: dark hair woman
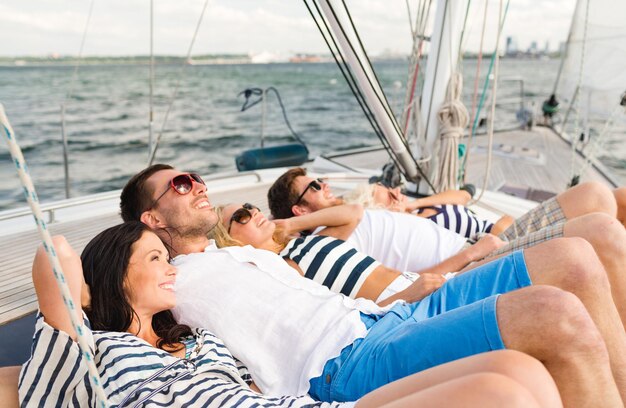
[145,358]
[110,308]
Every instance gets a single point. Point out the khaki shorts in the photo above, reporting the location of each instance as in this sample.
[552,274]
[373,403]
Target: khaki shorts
[546,214]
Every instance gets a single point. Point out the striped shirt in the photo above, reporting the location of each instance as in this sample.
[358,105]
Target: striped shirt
[459,219]
[56,376]
[331,262]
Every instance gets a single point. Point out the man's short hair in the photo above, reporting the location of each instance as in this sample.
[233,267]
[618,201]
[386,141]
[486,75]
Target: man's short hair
[282,196]
[136,197]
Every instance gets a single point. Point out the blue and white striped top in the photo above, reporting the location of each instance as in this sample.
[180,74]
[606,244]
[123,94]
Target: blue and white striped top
[134,372]
[331,262]
[459,219]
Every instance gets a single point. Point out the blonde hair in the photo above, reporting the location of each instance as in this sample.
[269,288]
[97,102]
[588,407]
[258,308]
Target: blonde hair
[363,194]
[224,239]
[220,233]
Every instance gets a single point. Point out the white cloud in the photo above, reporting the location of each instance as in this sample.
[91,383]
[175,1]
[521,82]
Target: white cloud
[121,27]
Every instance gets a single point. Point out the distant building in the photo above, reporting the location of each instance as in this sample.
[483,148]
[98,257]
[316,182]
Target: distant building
[511,46]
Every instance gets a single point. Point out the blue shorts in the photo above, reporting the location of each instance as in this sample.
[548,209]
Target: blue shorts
[456,321]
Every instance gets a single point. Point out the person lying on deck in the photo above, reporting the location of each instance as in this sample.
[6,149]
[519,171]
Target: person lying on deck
[328,260]
[408,243]
[295,336]
[447,209]
[139,347]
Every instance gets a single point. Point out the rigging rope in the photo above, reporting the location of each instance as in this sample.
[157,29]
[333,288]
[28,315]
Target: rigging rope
[475,94]
[575,136]
[151,79]
[68,95]
[374,84]
[501,19]
[352,83]
[408,12]
[381,98]
[346,73]
[349,78]
[436,70]
[70,90]
[33,201]
[416,56]
[261,94]
[460,50]
[175,92]
[598,143]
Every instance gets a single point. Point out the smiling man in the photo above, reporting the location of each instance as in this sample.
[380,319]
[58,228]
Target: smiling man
[298,337]
[409,243]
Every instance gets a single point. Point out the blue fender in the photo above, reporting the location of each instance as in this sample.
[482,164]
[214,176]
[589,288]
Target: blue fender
[275,156]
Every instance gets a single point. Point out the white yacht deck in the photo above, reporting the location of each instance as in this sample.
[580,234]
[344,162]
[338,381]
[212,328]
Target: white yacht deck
[539,159]
[17,294]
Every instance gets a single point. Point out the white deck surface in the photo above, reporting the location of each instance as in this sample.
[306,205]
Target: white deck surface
[513,167]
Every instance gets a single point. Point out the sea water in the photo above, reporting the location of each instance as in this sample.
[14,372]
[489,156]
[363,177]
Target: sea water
[107,116]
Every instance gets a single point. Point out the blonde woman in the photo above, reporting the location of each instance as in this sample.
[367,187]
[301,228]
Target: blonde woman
[447,209]
[326,258]
[323,258]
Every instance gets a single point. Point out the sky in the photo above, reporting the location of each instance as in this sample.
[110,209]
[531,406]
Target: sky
[121,27]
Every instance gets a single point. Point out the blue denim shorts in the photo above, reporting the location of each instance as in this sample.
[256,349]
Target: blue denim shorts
[456,321]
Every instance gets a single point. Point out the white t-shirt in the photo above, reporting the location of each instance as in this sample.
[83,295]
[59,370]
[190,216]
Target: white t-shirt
[282,326]
[404,241]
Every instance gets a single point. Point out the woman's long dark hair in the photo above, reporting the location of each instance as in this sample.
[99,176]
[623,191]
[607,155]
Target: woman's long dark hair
[105,265]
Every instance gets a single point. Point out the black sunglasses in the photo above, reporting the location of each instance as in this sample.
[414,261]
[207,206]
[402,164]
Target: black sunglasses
[315,185]
[182,184]
[242,215]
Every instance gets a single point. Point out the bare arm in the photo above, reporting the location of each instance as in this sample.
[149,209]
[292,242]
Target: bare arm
[424,286]
[432,278]
[476,252]
[458,197]
[255,387]
[50,301]
[339,221]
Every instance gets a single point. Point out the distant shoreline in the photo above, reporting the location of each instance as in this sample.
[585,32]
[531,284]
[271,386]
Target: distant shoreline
[229,59]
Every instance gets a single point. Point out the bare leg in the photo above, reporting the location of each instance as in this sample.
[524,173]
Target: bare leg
[582,199]
[608,238]
[587,198]
[553,326]
[8,386]
[484,390]
[571,264]
[502,224]
[525,371]
[620,199]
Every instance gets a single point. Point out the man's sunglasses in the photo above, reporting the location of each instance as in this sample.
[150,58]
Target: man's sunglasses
[242,215]
[182,184]
[315,185]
